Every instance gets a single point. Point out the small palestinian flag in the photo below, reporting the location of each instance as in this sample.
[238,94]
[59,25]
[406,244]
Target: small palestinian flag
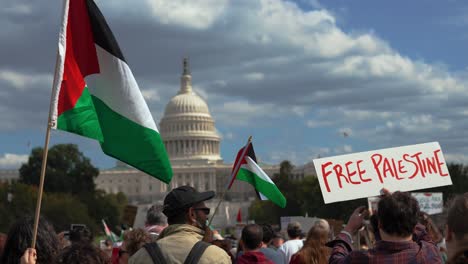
[106,106]
[250,172]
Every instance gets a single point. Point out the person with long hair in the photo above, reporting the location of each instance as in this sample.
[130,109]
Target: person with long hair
[19,240]
[314,250]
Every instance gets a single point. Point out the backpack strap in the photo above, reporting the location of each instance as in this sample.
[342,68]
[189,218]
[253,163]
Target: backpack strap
[155,253]
[196,252]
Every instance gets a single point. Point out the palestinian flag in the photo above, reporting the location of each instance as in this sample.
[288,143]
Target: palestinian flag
[106,106]
[110,235]
[250,172]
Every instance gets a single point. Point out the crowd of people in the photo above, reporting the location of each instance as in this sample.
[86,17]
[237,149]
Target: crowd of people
[177,232]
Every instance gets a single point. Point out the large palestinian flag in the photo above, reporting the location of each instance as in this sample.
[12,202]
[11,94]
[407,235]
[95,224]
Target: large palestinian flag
[249,171]
[108,106]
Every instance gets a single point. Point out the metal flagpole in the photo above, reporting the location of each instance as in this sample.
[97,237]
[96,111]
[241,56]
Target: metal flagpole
[231,179]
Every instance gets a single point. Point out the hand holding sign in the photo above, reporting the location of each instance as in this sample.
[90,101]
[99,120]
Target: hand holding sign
[356,220]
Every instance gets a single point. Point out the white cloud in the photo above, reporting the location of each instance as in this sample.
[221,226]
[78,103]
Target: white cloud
[9,160]
[254,76]
[343,149]
[151,95]
[17,9]
[24,81]
[315,124]
[198,15]
[229,135]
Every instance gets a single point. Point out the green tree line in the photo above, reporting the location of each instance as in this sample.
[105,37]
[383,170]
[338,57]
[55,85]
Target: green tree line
[70,195]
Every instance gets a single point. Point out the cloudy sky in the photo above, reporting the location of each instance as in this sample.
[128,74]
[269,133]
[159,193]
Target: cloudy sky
[296,75]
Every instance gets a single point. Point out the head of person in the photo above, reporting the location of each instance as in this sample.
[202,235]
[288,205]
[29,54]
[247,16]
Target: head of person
[81,233]
[457,225]
[268,234]
[155,216]
[185,205]
[251,237]
[319,232]
[133,240]
[82,252]
[278,240]
[398,214]
[19,238]
[431,227]
[294,230]
[314,249]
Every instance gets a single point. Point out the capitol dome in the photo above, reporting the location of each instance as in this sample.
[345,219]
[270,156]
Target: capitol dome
[187,128]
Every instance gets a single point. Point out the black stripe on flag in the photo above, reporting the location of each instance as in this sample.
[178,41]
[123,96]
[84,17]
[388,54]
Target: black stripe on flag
[101,32]
[251,153]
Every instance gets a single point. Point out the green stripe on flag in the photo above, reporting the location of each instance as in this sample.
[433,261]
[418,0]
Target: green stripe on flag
[81,119]
[268,189]
[132,143]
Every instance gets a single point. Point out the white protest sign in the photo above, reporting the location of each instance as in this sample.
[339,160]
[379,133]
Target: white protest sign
[430,203]
[364,174]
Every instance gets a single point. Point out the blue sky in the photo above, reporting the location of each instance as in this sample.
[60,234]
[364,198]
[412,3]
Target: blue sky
[293,74]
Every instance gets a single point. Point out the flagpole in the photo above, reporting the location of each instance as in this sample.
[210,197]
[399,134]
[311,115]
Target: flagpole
[233,175]
[41,184]
[44,165]
[50,122]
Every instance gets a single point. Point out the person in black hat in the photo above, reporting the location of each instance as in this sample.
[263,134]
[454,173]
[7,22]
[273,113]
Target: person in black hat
[187,216]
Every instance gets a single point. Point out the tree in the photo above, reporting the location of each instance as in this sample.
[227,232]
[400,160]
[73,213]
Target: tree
[67,171]
[459,175]
[70,193]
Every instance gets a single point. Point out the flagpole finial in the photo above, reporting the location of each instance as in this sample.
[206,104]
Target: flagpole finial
[250,139]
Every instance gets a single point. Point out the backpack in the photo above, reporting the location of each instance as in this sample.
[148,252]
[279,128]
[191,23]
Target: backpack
[193,257]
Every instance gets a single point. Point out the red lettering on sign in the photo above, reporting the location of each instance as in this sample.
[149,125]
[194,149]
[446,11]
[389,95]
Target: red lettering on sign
[376,165]
[326,174]
[350,174]
[361,172]
[439,164]
[339,174]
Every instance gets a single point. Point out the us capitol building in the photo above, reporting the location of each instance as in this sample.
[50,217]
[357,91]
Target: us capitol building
[193,145]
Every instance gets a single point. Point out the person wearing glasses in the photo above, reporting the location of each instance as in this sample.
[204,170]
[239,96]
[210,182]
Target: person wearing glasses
[186,239]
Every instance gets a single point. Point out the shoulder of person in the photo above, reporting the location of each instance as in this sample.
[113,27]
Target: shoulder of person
[141,256]
[215,254]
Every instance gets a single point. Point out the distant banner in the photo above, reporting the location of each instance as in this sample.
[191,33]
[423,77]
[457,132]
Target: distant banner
[430,203]
[364,174]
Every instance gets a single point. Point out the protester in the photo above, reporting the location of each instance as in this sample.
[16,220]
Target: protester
[133,240]
[270,253]
[457,230]
[436,236]
[83,252]
[19,239]
[156,221]
[294,244]
[251,240]
[314,250]
[187,217]
[81,233]
[397,225]
[277,241]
